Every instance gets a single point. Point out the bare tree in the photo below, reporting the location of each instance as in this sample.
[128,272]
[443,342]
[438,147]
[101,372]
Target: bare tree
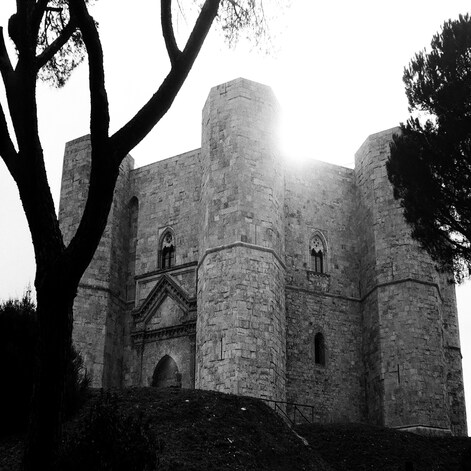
[52,37]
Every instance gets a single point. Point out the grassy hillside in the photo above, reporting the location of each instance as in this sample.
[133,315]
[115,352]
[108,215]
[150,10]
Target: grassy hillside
[171,429]
[358,447]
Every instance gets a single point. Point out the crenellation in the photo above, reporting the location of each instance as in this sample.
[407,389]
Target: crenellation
[230,268]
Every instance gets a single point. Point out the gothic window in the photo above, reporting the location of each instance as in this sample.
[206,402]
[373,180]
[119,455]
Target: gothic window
[317,254]
[167,250]
[319,349]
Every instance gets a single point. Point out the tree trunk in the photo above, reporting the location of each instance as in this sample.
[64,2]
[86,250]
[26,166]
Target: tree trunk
[54,310]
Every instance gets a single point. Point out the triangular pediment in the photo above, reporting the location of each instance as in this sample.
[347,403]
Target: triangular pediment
[165,287]
[168,314]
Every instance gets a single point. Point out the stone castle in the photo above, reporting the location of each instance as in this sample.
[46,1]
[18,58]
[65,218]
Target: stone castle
[228,268]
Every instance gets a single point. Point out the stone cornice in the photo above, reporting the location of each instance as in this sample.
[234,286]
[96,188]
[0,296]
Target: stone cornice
[400,281]
[374,288]
[146,336]
[241,244]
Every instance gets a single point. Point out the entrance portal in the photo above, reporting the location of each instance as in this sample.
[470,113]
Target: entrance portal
[166,374]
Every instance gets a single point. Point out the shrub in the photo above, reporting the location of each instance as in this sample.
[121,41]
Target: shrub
[18,339]
[109,441]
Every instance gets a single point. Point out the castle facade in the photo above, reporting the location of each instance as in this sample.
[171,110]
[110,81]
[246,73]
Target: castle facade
[228,268]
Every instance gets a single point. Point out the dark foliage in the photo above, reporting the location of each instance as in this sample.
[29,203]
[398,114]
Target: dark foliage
[430,163]
[18,337]
[17,344]
[110,441]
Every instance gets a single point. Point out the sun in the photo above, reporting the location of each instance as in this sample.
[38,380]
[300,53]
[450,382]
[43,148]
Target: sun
[295,142]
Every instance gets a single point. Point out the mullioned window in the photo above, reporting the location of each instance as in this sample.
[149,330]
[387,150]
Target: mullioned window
[167,250]
[318,254]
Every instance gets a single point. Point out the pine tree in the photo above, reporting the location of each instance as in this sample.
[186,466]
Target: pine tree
[430,162]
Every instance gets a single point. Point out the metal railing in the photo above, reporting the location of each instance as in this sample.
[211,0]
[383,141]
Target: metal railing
[294,413]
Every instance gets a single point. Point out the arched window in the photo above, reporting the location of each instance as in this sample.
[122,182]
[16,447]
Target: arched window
[319,349]
[317,250]
[167,250]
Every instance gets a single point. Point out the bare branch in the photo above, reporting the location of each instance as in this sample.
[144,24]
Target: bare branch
[238,9]
[150,114]
[99,114]
[56,45]
[167,30]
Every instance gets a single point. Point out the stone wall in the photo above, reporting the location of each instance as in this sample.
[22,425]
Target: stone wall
[74,185]
[167,195]
[320,198]
[453,366]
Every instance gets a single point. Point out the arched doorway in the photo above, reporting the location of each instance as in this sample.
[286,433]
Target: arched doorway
[166,374]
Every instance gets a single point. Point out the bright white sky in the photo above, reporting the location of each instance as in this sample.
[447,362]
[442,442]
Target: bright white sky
[337,75]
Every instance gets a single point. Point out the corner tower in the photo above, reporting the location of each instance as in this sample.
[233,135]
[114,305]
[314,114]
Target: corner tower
[241,326]
[410,329]
[100,303]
